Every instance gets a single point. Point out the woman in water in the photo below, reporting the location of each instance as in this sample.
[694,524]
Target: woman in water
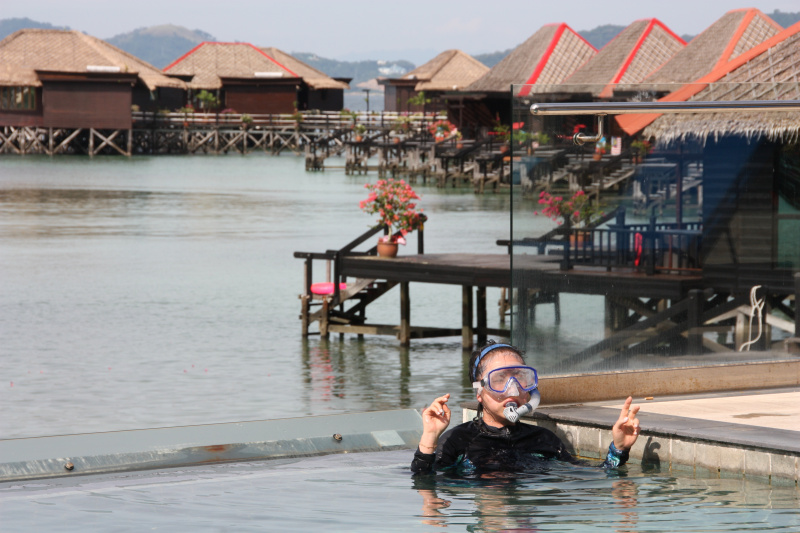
[492,441]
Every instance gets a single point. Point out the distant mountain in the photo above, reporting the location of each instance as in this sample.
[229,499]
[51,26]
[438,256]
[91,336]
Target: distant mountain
[160,45]
[9,26]
[601,35]
[784,19]
[360,71]
[492,58]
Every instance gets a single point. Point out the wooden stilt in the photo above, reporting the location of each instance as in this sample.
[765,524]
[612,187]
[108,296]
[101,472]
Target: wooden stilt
[466,317]
[481,308]
[796,307]
[695,313]
[324,319]
[405,315]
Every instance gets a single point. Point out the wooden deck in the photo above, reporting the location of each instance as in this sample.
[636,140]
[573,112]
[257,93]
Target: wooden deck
[494,270]
[537,279]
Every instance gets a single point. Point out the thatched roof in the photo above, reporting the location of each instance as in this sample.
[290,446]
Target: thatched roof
[449,71]
[13,75]
[769,71]
[637,51]
[315,79]
[548,56]
[726,39]
[209,62]
[72,52]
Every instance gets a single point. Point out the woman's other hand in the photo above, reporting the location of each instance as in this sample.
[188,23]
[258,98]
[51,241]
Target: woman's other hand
[626,428]
[435,419]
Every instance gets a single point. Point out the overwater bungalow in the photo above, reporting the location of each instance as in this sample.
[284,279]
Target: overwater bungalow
[548,57]
[253,80]
[318,90]
[67,79]
[751,167]
[726,39]
[449,71]
[634,53]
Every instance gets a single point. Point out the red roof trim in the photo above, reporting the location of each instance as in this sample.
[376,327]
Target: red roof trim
[726,54]
[193,50]
[670,32]
[608,89]
[545,58]
[274,61]
[634,123]
[184,56]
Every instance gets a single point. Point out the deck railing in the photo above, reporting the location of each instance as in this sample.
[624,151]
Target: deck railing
[328,120]
[650,248]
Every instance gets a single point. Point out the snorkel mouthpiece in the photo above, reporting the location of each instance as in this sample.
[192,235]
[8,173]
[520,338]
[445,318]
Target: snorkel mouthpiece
[512,412]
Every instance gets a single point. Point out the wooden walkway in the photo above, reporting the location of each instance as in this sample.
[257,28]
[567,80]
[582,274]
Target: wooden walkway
[537,279]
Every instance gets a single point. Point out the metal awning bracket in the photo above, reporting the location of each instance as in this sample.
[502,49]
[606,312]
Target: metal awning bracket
[580,138]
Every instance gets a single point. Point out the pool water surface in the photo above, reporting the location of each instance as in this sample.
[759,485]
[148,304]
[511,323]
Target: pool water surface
[376,492]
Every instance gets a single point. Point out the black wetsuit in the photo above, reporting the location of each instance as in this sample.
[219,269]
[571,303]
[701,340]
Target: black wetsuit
[475,446]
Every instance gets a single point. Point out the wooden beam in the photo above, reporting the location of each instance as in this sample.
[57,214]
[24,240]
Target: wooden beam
[467,332]
[481,304]
[405,314]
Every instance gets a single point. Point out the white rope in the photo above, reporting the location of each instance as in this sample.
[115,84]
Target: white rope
[756,307]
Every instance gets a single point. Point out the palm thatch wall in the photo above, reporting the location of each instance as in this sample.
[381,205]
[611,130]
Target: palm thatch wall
[772,74]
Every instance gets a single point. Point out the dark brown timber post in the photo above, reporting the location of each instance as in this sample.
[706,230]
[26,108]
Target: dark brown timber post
[405,315]
[466,317]
[481,303]
[695,313]
[796,306]
[306,296]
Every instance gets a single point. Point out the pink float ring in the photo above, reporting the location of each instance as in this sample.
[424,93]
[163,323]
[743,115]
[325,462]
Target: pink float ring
[325,288]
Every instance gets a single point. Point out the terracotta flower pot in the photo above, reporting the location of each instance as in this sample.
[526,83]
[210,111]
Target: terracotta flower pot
[387,249]
[576,240]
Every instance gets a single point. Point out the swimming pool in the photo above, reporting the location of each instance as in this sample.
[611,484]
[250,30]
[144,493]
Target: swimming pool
[375,492]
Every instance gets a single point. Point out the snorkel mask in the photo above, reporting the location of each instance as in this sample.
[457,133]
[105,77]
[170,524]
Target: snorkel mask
[510,381]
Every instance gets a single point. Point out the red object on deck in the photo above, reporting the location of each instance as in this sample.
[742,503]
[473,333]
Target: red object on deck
[325,288]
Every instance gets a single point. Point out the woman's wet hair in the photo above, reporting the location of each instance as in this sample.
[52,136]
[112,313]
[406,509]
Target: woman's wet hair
[481,355]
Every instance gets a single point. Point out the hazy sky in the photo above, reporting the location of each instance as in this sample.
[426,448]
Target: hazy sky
[375,29]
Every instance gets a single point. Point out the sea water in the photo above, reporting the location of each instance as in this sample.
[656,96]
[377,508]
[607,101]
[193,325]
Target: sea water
[375,492]
[159,291]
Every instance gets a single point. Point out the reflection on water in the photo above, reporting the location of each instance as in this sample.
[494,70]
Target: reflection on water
[151,292]
[375,492]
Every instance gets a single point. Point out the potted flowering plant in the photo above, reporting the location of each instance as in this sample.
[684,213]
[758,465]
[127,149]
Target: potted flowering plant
[576,211]
[359,130]
[639,148]
[393,201]
[442,129]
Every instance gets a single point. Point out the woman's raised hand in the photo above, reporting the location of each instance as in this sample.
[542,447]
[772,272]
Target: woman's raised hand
[435,419]
[626,428]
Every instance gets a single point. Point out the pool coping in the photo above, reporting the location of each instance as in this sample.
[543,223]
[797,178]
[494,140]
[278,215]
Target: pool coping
[676,443]
[158,448]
